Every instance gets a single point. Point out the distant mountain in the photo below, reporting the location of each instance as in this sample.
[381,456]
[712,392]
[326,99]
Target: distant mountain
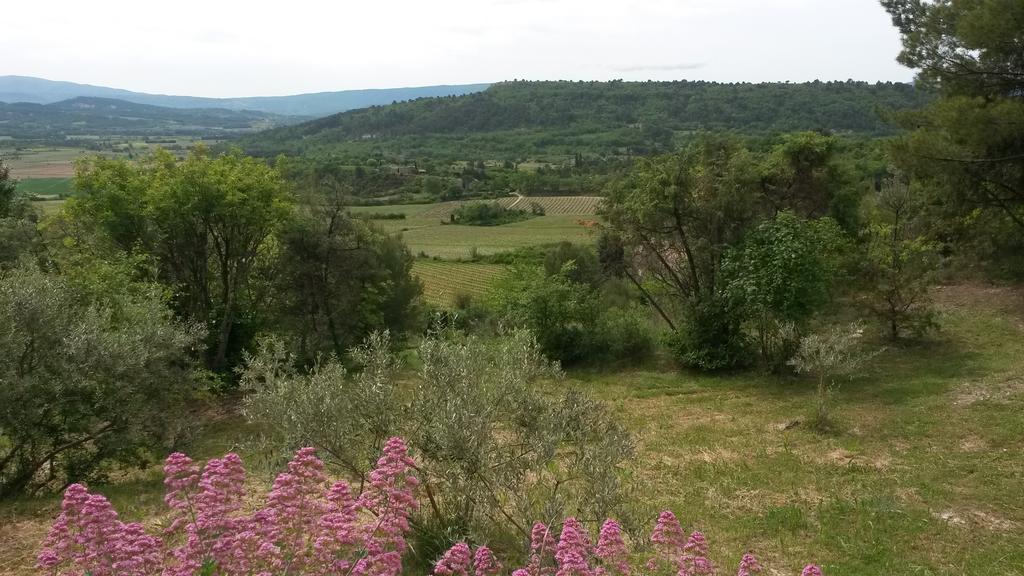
[522,119]
[40,91]
[92,116]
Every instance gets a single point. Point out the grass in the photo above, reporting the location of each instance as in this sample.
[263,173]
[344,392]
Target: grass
[425,231]
[443,280]
[46,186]
[924,476]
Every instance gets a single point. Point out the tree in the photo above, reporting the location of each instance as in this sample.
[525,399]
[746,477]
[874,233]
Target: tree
[338,279]
[968,147]
[677,216]
[804,174]
[901,262]
[8,189]
[207,220]
[782,274]
[94,370]
[19,234]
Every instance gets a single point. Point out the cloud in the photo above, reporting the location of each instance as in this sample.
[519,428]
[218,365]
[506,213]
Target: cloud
[659,67]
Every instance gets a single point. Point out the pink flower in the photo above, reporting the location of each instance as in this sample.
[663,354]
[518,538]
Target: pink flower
[611,549]
[573,551]
[484,562]
[749,565]
[455,562]
[88,538]
[308,529]
[542,549]
[668,540]
[392,500]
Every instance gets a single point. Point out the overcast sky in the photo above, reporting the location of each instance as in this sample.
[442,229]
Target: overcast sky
[248,48]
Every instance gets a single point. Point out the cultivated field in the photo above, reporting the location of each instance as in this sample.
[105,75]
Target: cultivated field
[924,477]
[43,163]
[425,228]
[443,280]
[46,186]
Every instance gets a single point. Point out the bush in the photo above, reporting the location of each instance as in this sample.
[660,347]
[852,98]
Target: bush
[308,527]
[95,371]
[473,408]
[585,269]
[573,322]
[487,214]
[712,337]
[826,356]
[782,275]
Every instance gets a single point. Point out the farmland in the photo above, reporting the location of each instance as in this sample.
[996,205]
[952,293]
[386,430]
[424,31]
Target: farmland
[426,231]
[443,280]
[46,187]
[46,173]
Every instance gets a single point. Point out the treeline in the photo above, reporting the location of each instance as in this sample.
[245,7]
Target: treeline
[532,118]
[430,179]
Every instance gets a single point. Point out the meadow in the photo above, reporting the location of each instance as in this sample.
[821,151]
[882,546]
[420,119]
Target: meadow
[440,246]
[922,477]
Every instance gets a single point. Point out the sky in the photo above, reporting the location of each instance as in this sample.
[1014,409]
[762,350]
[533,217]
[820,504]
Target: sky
[225,48]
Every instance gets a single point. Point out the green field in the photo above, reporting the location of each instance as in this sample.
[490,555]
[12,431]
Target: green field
[46,186]
[426,232]
[443,280]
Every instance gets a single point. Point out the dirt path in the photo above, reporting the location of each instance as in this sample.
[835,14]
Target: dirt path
[519,198]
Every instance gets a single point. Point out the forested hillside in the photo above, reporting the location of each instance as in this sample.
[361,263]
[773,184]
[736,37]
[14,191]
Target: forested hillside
[513,119]
[108,116]
[40,91]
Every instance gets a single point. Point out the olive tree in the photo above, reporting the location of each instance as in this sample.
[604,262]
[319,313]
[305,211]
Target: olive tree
[497,449]
[94,371]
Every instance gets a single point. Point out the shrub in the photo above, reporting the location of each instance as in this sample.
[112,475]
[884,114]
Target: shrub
[347,416]
[487,214]
[711,337]
[782,274]
[825,356]
[310,527]
[474,406]
[94,370]
[585,269]
[573,322]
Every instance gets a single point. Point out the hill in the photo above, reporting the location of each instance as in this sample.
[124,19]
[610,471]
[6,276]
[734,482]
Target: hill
[41,91]
[106,116]
[524,119]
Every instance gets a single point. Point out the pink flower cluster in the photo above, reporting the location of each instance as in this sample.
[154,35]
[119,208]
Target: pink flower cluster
[460,561]
[308,526]
[305,527]
[88,532]
[573,554]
